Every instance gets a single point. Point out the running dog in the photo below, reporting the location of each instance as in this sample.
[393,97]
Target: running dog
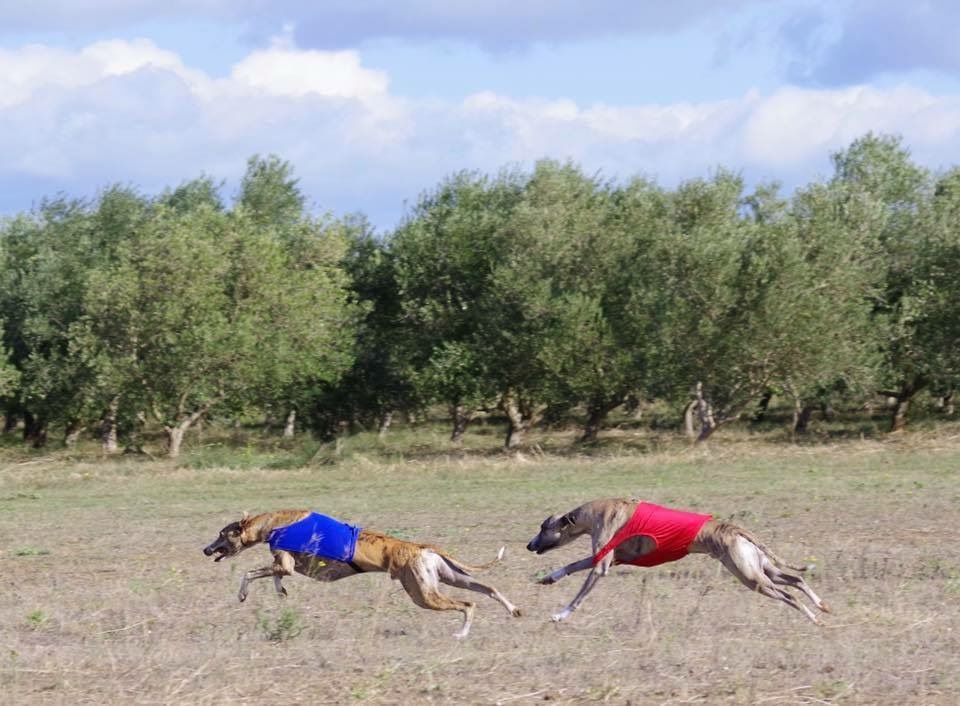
[328,550]
[644,534]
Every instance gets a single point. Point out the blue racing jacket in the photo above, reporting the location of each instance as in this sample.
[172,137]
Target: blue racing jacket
[319,535]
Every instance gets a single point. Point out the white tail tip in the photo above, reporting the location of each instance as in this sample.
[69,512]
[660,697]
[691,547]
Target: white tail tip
[500,553]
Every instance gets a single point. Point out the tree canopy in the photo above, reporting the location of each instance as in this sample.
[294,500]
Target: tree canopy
[522,294]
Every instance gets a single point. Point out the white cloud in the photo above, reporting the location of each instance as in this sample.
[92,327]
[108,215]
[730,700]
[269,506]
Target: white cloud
[133,112]
[284,71]
[27,72]
[795,126]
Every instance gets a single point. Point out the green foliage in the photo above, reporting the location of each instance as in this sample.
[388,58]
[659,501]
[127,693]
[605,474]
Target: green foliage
[520,291]
[444,260]
[174,307]
[9,375]
[37,619]
[286,625]
[30,551]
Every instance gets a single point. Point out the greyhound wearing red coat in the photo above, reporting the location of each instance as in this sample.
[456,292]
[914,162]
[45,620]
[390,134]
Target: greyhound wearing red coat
[644,534]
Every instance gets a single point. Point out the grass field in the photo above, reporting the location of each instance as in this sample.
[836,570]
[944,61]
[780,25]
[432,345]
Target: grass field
[107,598]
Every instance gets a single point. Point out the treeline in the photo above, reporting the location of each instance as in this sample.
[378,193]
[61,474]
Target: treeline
[530,293]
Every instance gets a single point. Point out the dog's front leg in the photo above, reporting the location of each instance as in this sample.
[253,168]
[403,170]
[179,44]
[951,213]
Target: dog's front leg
[252,576]
[595,573]
[282,565]
[558,574]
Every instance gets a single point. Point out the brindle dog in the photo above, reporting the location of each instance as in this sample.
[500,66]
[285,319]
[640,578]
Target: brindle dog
[743,555]
[420,568]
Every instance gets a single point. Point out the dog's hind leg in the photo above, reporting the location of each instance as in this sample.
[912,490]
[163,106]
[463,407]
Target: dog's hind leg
[781,595]
[784,578]
[420,579]
[455,578]
[744,560]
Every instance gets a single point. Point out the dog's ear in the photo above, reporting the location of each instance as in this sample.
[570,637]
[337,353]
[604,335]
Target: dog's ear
[569,519]
[244,518]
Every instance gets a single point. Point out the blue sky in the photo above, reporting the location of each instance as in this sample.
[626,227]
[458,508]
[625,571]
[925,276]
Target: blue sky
[374,101]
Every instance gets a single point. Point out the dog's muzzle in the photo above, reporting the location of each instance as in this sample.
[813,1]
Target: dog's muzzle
[209,551]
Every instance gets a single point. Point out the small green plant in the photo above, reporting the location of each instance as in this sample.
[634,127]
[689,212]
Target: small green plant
[30,551]
[286,626]
[37,619]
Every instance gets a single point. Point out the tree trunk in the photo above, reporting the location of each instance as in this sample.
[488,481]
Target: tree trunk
[175,438]
[386,419]
[801,417]
[761,412]
[708,422]
[175,432]
[108,428]
[591,428]
[633,406]
[34,430]
[900,408]
[516,431]
[72,434]
[689,419]
[901,405]
[10,420]
[946,404]
[461,418]
[521,418]
[596,413]
[290,426]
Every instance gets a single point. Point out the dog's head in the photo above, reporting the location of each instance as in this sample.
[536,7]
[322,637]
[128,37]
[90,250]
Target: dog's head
[555,531]
[228,542]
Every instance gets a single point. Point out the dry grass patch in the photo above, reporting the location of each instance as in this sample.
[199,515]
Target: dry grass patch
[108,599]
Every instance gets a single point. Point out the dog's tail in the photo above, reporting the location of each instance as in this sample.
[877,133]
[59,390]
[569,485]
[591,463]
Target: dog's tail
[769,552]
[467,569]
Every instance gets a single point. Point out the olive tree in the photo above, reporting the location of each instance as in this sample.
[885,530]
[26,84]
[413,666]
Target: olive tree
[878,168]
[51,253]
[211,311]
[444,257]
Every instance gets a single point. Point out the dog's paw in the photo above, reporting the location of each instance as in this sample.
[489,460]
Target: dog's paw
[561,616]
[547,579]
[242,596]
[516,613]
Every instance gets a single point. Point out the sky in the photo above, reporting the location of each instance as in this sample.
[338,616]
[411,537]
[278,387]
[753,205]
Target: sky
[374,102]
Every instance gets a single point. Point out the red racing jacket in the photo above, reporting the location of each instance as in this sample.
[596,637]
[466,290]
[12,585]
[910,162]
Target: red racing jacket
[672,531]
